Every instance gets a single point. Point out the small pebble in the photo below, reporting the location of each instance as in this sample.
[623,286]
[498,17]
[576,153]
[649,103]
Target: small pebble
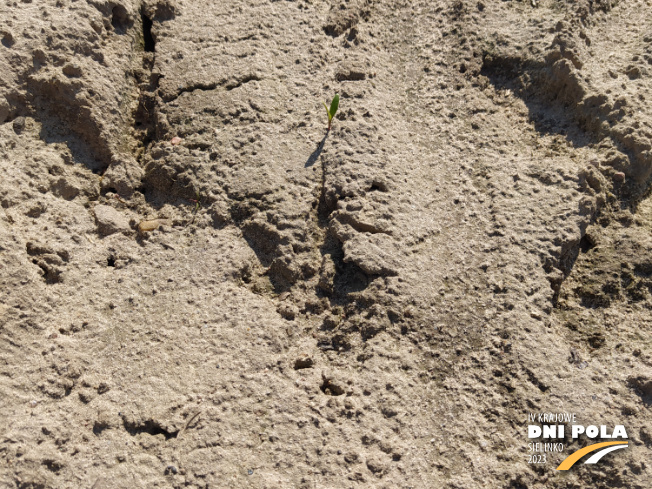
[19,125]
[147,226]
[175,141]
[618,177]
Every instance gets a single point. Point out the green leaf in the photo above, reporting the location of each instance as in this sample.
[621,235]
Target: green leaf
[328,112]
[334,105]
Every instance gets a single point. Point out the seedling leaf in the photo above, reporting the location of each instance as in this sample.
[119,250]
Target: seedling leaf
[334,105]
[331,112]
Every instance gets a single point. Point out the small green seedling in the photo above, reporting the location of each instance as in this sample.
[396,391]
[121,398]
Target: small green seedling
[196,201]
[331,112]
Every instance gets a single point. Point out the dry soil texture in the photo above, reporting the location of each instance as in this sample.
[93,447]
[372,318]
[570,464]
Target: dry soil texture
[201,288]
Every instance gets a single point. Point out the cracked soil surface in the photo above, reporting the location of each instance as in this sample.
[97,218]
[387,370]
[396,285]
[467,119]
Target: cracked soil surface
[202,288]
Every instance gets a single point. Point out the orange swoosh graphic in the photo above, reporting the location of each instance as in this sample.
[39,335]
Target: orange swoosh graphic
[574,457]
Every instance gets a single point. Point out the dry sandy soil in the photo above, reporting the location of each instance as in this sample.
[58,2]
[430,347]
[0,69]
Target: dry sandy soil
[201,288]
